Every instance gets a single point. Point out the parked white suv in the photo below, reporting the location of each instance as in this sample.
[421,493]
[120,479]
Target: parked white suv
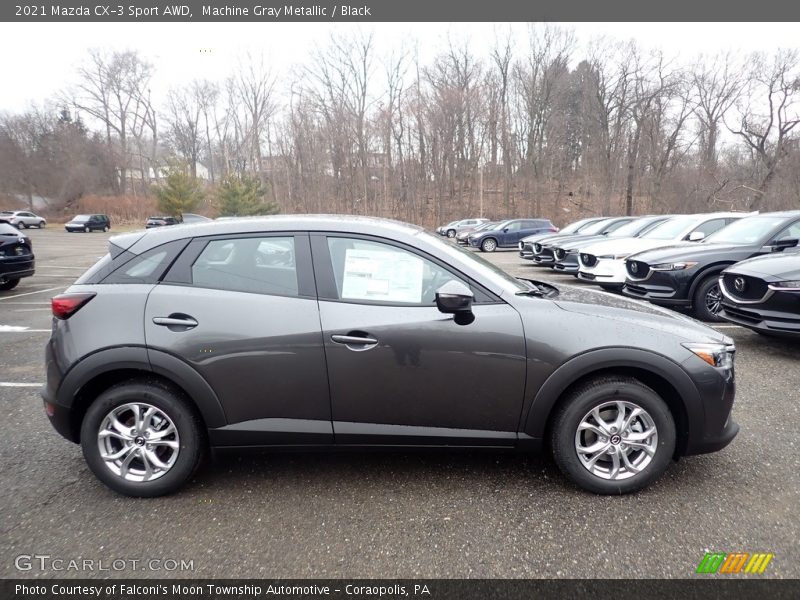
[603,262]
[22,219]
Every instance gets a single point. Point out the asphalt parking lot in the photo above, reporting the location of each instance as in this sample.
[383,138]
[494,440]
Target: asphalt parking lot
[388,515]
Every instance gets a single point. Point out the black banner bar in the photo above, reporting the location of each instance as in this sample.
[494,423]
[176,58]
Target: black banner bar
[269,11]
[706,588]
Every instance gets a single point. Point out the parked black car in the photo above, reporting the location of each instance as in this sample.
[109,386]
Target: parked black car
[526,244]
[687,275]
[763,294]
[16,256]
[508,233]
[386,335]
[160,221]
[565,252]
[89,223]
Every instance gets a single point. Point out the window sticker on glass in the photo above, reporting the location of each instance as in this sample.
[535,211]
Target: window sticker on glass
[380,275]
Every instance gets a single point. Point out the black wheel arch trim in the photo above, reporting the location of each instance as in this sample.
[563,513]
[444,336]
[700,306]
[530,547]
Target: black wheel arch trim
[713,269]
[600,361]
[140,358]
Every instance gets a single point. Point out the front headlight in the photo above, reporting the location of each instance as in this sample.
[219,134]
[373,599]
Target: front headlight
[678,266]
[785,286]
[717,355]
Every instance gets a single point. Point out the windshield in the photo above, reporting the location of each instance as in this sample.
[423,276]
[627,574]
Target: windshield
[489,270]
[485,226]
[745,231]
[671,229]
[7,212]
[577,225]
[632,228]
[595,228]
[81,218]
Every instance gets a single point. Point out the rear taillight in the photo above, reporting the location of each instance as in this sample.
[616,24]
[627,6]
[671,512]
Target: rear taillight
[66,305]
[554,229]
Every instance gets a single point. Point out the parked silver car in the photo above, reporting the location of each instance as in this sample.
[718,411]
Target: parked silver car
[22,219]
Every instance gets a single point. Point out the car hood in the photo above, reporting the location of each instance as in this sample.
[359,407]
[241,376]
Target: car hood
[541,237]
[628,312]
[623,246]
[695,251]
[772,267]
[575,241]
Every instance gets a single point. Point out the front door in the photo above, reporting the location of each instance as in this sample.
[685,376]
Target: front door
[400,371]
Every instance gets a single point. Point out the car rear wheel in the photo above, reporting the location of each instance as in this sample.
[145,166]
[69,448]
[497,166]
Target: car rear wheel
[21,225]
[707,299]
[142,439]
[9,284]
[489,245]
[613,435]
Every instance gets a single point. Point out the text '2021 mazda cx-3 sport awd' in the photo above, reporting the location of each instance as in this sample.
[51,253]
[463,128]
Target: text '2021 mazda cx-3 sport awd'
[331,331]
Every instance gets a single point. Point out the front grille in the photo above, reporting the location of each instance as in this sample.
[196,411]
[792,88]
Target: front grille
[560,253]
[637,269]
[743,287]
[589,260]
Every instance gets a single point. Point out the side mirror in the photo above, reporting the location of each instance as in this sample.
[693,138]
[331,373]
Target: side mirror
[780,245]
[696,236]
[455,298]
[505,230]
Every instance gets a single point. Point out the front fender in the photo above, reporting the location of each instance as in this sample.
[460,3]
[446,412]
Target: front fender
[603,360]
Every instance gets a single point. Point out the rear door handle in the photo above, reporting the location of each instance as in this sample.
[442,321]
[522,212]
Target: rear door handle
[179,322]
[354,340]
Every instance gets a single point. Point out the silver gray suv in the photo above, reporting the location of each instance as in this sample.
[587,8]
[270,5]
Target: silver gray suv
[329,332]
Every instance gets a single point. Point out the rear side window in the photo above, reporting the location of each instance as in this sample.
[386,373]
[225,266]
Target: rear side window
[257,265]
[147,267]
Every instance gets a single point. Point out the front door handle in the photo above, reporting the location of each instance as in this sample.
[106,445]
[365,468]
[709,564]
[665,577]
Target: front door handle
[176,322]
[354,340]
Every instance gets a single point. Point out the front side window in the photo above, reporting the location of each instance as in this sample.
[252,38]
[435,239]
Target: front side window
[711,226]
[377,272]
[790,233]
[257,265]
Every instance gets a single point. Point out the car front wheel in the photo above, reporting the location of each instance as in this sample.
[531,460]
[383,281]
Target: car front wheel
[451,233]
[142,438]
[707,299]
[489,245]
[87,229]
[613,435]
[42,224]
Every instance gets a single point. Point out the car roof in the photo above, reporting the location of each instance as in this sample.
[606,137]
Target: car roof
[144,240]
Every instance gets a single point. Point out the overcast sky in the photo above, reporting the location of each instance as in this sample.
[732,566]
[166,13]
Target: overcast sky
[39,59]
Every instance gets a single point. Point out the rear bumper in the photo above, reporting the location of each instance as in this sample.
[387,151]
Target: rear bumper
[17,269]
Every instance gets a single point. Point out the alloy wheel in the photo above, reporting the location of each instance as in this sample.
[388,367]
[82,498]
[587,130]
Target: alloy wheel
[713,300]
[616,440]
[138,442]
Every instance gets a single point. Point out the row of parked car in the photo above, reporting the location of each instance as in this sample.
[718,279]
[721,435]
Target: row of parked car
[488,236]
[739,267]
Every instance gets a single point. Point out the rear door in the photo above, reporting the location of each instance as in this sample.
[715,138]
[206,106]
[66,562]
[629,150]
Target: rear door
[242,311]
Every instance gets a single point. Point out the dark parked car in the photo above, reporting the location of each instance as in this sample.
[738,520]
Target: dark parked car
[508,233]
[566,251]
[763,294]
[16,256]
[687,275]
[526,243]
[543,254]
[375,333]
[89,223]
[462,238]
[160,221]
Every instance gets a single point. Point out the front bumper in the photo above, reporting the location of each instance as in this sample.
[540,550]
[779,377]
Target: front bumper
[605,271]
[668,288]
[568,264]
[779,315]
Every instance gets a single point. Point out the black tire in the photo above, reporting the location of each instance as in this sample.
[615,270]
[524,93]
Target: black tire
[105,229]
[489,245]
[706,296]
[451,233]
[9,285]
[584,399]
[191,431]
[42,224]
[21,225]
[87,229]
